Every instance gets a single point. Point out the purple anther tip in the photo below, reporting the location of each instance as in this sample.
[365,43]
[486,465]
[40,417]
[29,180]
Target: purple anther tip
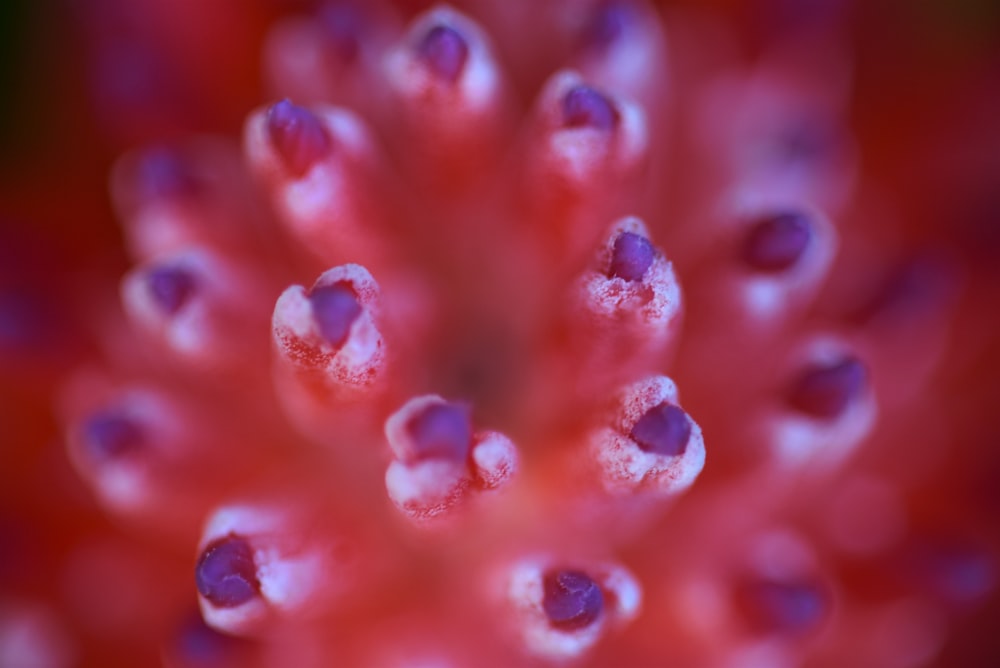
[108,435]
[298,136]
[783,607]
[441,431]
[444,51]
[199,643]
[663,430]
[607,24]
[226,574]
[170,288]
[825,391]
[775,243]
[162,173]
[572,599]
[631,257]
[344,23]
[583,106]
[335,308]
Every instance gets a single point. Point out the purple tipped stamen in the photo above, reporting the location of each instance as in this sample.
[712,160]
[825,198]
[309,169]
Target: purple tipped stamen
[171,288]
[344,24]
[663,430]
[334,308]
[298,136]
[825,391]
[200,644]
[572,600]
[109,436]
[776,243]
[441,431]
[163,173]
[226,574]
[583,107]
[607,25]
[631,257]
[444,52]
[782,607]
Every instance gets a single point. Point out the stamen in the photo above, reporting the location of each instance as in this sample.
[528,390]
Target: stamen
[298,136]
[572,599]
[771,606]
[663,430]
[442,431]
[825,390]
[162,172]
[226,574]
[109,435]
[607,24]
[335,308]
[444,51]
[631,257]
[776,243]
[344,23]
[583,106]
[170,288]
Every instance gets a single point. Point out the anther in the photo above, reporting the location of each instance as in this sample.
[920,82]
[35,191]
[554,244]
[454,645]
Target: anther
[826,390]
[298,136]
[572,599]
[444,51]
[772,606]
[582,106]
[775,243]
[226,574]
[334,308]
[631,257]
[663,430]
[170,287]
[441,431]
[108,435]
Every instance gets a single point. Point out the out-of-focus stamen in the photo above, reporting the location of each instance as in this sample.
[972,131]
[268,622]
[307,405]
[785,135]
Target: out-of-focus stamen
[582,106]
[109,435]
[825,390]
[777,242]
[444,51]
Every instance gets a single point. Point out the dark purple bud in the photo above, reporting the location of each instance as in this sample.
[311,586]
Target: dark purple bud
[441,431]
[198,644]
[775,243]
[663,430]
[298,136]
[782,607]
[572,600]
[109,435]
[803,142]
[444,52]
[226,574]
[583,106]
[344,23]
[162,173]
[631,257]
[957,570]
[335,308]
[607,24]
[170,288]
[825,390]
